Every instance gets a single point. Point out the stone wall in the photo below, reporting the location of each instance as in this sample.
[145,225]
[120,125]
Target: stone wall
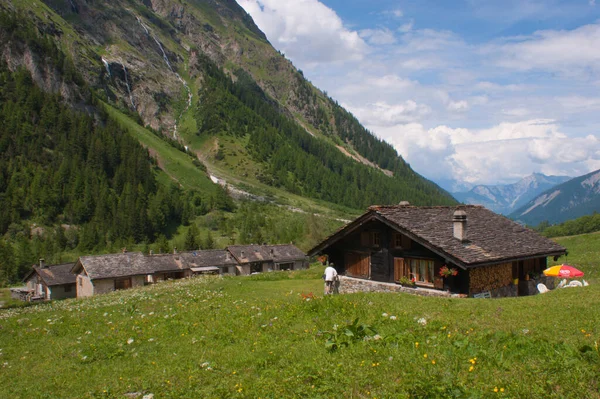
[349,285]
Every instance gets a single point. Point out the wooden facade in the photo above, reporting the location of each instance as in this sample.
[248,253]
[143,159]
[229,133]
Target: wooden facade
[378,252]
[404,243]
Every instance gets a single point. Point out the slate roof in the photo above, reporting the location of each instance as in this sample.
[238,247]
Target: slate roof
[115,265]
[250,253]
[210,257]
[491,238]
[164,263]
[55,274]
[285,252]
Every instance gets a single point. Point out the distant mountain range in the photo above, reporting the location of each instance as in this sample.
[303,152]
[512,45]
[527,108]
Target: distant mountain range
[575,198]
[505,199]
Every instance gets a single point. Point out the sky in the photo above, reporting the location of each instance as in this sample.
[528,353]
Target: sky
[468,92]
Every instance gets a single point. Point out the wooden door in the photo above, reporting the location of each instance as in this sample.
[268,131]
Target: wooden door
[357,265]
[399,269]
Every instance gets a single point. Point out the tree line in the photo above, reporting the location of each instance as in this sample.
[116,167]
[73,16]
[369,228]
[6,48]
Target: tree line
[297,161]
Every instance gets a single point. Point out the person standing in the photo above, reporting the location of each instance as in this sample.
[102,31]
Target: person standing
[331,277]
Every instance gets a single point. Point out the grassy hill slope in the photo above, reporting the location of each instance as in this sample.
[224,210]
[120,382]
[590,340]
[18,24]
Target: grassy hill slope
[267,335]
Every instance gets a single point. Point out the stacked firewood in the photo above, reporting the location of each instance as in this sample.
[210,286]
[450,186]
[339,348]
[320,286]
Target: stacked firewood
[490,277]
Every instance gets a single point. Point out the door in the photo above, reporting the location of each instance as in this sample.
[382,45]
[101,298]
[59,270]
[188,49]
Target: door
[357,265]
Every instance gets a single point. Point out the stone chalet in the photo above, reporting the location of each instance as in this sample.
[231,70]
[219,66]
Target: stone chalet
[396,244]
[265,258]
[98,274]
[45,282]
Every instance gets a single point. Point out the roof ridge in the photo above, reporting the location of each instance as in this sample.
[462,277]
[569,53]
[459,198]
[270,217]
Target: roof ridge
[119,253]
[376,207]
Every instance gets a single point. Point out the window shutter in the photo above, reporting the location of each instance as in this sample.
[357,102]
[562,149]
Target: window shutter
[399,268]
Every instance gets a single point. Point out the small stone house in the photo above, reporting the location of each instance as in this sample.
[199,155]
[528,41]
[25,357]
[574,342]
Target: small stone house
[251,259]
[489,252]
[213,261]
[287,257]
[266,258]
[46,282]
[165,267]
[100,274]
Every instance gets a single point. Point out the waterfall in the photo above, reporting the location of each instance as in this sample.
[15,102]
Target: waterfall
[107,66]
[143,25]
[189,103]
[128,87]
[163,53]
[166,59]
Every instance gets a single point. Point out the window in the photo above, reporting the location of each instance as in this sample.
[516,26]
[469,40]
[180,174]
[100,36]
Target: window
[421,270]
[123,284]
[397,240]
[370,239]
[68,288]
[375,239]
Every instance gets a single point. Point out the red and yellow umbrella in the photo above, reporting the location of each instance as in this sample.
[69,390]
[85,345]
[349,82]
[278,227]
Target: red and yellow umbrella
[563,271]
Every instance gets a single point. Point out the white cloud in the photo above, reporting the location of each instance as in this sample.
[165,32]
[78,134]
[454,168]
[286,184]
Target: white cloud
[307,31]
[516,112]
[506,152]
[565,51]
[406,27]
[458,106]
[495,87]
[378,36]
[429,40]
[579,103]
[384,114]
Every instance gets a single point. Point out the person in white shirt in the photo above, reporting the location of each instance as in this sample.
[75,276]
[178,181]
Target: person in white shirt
[331,277]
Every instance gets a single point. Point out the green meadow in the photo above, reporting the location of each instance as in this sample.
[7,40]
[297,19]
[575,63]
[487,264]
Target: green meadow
[275,335]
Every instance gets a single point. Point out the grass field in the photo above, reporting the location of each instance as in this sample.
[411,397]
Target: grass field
[272,335]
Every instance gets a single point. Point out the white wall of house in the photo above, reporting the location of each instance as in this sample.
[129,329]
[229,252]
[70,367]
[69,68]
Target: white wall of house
[84,286]
[243,270]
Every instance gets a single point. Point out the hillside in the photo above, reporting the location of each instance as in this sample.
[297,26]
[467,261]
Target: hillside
[260,336]
[575,198]
[504,199]
[208,98]
[156,59]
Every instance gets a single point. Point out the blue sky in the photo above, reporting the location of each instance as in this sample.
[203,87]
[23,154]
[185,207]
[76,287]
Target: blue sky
[468,92]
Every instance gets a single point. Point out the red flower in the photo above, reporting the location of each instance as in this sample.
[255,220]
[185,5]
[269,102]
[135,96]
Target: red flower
[445,271]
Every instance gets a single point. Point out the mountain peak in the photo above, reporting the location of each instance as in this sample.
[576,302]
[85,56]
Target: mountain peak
[574,198]
[508,197]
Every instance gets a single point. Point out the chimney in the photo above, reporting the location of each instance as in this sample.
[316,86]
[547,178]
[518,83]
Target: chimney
[151,253]
[242,254]
[124,250]
[459,221]
[227,256]
[42,263]
[174,250]
[404,203]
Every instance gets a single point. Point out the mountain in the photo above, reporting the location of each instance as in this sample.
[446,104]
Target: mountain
[506,198]
[119,118]
[203,74]
[575,198]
